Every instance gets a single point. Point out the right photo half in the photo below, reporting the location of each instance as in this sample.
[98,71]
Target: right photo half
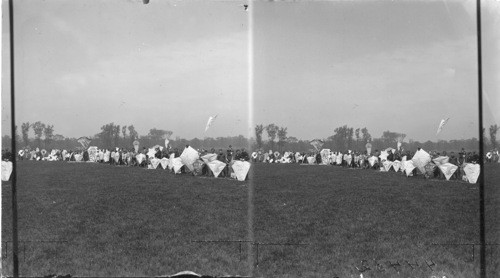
[366,150]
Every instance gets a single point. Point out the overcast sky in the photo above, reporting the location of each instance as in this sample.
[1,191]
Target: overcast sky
[167,65]
[316,66]
[379,64]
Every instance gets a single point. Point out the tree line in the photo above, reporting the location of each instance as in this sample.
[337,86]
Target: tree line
[343,138]
[349,138]
[112,135]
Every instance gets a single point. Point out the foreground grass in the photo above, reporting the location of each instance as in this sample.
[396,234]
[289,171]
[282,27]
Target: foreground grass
[131,221]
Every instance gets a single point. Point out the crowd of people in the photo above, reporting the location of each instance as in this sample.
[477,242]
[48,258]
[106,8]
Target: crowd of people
[350,159]
[375,161]
[140,158]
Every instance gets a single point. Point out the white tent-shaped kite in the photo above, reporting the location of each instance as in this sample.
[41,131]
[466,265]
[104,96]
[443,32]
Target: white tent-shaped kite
[164,163]
[140,158]
[6,170]
[420,159]
[396,165]
[92,154]
[448,169]
[472,172]
[311,159]
[215,165]
[188,157]
[325,155]
[387,165]
[241,169]
[154,163]
[408,167]
[177,165]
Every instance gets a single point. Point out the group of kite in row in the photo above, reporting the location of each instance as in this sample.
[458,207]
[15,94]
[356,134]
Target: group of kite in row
[233,164]
[431,165]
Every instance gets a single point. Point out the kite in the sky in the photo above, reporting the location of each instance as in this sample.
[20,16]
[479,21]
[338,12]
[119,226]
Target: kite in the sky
[84,141]
[317,144]
[441,125]
[210,121]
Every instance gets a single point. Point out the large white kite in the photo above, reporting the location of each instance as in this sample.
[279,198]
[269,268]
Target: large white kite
[6,170]
[189,156]
[472,172]
[241,169]
[216,166]
[421,159]
[441,125]
[211,120]
[325,154]
[92,154]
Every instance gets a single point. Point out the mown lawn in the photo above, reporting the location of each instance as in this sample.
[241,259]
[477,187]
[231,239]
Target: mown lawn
[121,221]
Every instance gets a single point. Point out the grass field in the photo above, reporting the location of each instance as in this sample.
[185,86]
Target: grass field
[121,221]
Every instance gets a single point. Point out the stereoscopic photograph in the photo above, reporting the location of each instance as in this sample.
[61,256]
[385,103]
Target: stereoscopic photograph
[169,138]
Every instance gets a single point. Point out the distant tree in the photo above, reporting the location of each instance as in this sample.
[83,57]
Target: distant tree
[124,131]
[132,134]
[365,135]
[292,140]
[272,131]
[48,133]
[18,138]
[343,137]
[58,137]
[25,128]
[493,135]
[159,134]
[116,135]
[259,129]
[358,138]
[38,128]
[390,138]
[107,135]
[282,132]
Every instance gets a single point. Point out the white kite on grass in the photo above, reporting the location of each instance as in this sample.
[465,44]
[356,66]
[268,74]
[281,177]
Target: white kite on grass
[421,159]
[325,155]
[6,170]
[472,172]
[93,153]
[211,120]
[448,169]
[164,163]
[408,167]
[188,157]
[441,125]
[154,163]
[217,166]
[387,165]
[140,158]
[241,169]
[396,165]
[177,165]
